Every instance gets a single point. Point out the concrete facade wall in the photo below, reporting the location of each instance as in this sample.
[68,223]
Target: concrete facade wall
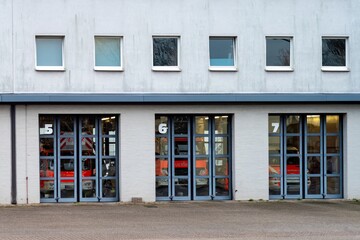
[137,165]
[137,20]
[5,153]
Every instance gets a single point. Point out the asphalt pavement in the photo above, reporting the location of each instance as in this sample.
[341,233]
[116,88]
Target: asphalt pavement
[299,219]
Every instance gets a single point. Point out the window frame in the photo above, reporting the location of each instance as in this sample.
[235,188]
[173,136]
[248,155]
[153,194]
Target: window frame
[51,68]
[166,68]
[110,68]
[289,68]
[345,68]
[225,68]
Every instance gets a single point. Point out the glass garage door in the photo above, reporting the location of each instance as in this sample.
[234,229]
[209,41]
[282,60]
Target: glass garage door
[78,158]
[192,156]
[305,156]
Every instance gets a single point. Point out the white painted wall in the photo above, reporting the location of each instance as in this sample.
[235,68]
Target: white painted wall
[137,20]
[5,153]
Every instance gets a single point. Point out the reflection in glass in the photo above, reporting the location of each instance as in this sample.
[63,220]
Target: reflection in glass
[221,145]
[181,125]
[109,188]
[202,167]
[88,167]
[334,52]
[202,124]
[274,165]
[333,185]
[278,52]
[332,124]
[222,51]
[47,168]
[67,146]
[181,167]
[313,185]
[293,165]
[108,147]
[108,167]
[88,146]
[221,166]
[88,188]
[221,124]
[332,165]
[46,125]
[88,126]
[161,146]
[163,120]
[293,185]
[161,165]
[67,189]
[293,124]
[162,187]
[202,145]
[274,145]
[181,146]
[202,187]
[332,144]
[165,51]
[181,187]
[314,165]
[313,144]
[67,165]
[313,123]
[274,124]
[66,125]
[274,185]
[222,187]
[47,188]
[108,125]
[292,145]
[46,147]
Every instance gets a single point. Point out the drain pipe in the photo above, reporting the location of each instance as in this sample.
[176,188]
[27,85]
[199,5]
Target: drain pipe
[13,154]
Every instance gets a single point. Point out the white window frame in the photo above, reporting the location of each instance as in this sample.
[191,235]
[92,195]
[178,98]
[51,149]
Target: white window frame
[166,68]
[51,68]
[345,68]
[281,68]
[225,68]
[110,68]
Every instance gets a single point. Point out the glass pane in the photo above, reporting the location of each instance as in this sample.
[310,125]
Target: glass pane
[293,165]
[222,187]
[88,188]
[222,51]
[46,125]
[162,167]
[274,145]
[107,51]
[181,187]
[314,165]
[278,52]
[202,187]
[165,51]
[293,185]
[221,124]
[202,145]
[293,124]
[47,168]
[221,145]
[313,185]
[108,147]
[67,188]
[333,185]
[88,146]
[161,125]
[109,188]
[67,146]
[108,125]
[202,125]
[49,51]
[292,145]
[88,126]
[274,185]
[313,123]
[333,52]
[181,167]
[181,125]
[332,144]
[162,187]
[313,144]
[161,146]
[222,166]
[46,147]
[181,146]
[88,167]
[274,166]
[332,165]
[202,167]
[46,188]
[66,125]
[67,167]
[274,124]
[108,167]
[332,124]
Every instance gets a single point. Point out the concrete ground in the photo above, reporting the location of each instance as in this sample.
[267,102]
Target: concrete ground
[184,220]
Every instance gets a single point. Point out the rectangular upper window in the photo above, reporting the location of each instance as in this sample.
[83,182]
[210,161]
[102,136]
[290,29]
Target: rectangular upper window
[49,53]
[108,53]
[279,53]
[334,56]
[166,53]
[222,53]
